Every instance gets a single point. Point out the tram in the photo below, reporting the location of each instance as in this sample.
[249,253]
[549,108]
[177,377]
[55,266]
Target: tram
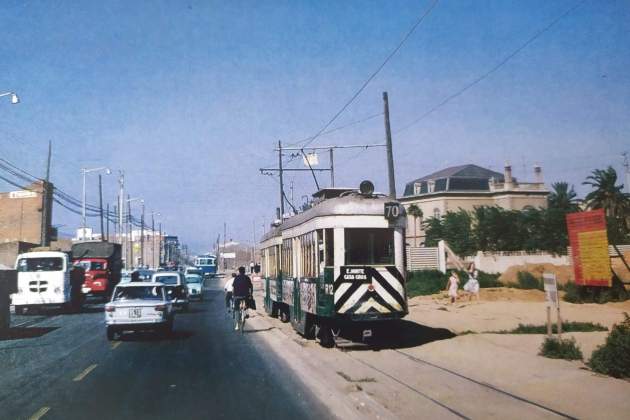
[207,264]
[338,265]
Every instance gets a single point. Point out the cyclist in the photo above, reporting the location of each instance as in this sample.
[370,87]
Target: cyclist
[242,288]
[229,288]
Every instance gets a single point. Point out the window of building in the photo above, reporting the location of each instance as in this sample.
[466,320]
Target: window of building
[436,213]
[369,246]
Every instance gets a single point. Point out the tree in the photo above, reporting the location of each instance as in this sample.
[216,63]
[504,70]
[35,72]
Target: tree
[415,212]
[563,197]
[434,231]
[609,196]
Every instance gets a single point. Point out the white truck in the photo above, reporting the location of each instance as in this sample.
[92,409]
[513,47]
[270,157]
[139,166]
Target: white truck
[47,278]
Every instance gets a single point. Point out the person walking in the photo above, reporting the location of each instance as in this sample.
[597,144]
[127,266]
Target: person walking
[472,285]
[452,286]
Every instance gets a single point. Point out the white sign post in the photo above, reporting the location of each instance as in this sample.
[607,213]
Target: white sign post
[552,300]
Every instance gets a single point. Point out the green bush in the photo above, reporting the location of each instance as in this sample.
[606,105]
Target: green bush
[592,294]
[556,348]
[527,280]
[425,282]
[567,326]
[613,357]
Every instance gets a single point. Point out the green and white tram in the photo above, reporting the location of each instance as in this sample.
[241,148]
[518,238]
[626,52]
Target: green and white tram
[339,265]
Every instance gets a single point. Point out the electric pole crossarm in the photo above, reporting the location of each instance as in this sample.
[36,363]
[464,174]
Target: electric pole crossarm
[294,170]
[350,146]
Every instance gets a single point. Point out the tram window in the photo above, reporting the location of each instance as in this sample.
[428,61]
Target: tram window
[330,247]
[369,246]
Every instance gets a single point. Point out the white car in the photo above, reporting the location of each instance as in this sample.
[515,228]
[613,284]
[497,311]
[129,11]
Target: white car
[139,306]
[194,284]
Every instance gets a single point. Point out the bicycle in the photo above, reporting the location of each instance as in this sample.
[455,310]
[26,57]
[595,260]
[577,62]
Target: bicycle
[239,313]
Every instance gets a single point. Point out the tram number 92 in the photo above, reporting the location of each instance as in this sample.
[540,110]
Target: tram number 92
[392,210]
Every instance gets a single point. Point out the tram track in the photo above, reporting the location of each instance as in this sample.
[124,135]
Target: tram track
[460,376]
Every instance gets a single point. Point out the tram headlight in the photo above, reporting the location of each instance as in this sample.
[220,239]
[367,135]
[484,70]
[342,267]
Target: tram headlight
[366,187]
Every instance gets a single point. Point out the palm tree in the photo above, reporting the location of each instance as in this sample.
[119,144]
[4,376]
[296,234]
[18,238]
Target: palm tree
[416,212]
[563,197]
[606,194]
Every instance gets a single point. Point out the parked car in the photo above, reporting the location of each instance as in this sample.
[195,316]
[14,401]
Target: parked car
[175,285]
[139,306]
[194,283]
[145,274]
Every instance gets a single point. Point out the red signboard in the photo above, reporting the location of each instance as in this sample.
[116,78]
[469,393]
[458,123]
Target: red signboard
[589,248]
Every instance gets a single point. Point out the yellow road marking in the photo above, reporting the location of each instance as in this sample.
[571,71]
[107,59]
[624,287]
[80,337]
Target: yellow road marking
[116,344]
[85,373]
[39,413]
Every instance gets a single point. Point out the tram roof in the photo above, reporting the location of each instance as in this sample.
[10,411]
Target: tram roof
[349,205]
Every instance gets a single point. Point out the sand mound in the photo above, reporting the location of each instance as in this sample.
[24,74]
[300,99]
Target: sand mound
[563,273]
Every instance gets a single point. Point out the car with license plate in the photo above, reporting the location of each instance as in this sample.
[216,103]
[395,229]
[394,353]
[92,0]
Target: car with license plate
[194,284]
[139,306]
[175,285]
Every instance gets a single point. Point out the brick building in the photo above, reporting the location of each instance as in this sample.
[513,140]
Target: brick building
[23,215]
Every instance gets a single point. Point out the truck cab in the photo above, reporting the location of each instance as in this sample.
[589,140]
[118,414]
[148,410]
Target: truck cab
[46,278]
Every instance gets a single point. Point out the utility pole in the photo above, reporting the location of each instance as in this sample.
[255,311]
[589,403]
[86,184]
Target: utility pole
[121,207]
[153,240]
[281,181]
[390,154]
[115,222]
[130,230]
[332,168]
[223,253]
[107,222]
[100,204]
[160,246]
[142,236]
[45,234]
[626,164]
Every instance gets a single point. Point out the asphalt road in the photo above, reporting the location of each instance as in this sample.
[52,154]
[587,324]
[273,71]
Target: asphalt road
[61,366]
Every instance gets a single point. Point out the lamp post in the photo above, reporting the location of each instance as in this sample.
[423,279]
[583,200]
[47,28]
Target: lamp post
[129,220]
[14,98]
[86,171]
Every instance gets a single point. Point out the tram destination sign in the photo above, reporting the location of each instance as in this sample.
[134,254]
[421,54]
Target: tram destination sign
[392,210]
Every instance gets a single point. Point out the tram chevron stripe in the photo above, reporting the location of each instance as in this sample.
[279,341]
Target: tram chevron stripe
[341,290]
[388,297]
[392,278]
[366,304]
[390,290]
[354,298]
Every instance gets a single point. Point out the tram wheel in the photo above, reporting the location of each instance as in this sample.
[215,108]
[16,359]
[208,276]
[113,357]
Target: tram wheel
[284,316]
[326,337]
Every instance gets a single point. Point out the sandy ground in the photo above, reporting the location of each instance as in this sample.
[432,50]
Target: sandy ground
[480,375]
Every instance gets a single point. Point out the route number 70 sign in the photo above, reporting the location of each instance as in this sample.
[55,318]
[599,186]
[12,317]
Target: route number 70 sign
[392,210]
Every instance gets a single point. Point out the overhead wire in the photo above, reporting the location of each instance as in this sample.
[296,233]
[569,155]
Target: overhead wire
[495,68]
[375,73]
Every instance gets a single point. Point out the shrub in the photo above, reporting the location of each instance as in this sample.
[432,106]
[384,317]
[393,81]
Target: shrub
[527,280]
[425,282]
[556,348]
[592,294]
[484,279]
[613,357]
[567,326]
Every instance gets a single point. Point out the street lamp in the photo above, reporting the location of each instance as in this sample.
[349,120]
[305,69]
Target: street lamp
[86,171]
[14,98]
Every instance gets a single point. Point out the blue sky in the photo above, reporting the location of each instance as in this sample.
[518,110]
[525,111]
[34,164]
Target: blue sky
[190,97]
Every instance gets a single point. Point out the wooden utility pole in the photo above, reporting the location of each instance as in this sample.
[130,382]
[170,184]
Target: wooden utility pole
[45,228]
[100,204]
[142,235]
[160,246]
[107,222]
[281,181]
[332,168]
[390,154]
[130,242]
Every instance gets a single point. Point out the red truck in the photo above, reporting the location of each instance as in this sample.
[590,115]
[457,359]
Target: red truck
[102,262]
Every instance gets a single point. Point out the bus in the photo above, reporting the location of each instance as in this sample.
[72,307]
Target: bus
[207,264]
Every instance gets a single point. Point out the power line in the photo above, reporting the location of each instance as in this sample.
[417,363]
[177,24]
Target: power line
[339,128]
[377,71]
[493,69]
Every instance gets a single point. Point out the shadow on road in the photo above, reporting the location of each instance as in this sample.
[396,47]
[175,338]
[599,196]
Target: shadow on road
[246,331]
[193,310]
[397,335]
[17,333]
[154,336]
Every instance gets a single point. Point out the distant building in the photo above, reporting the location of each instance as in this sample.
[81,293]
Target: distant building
[466,187]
